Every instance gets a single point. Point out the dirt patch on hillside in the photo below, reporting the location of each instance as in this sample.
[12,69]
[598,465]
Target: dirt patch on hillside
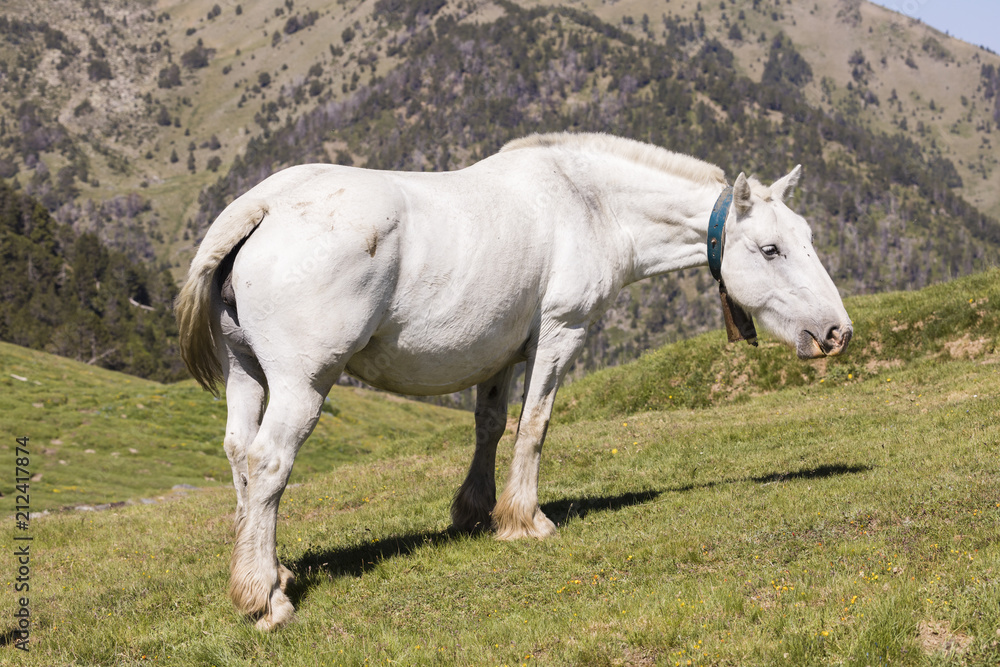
[729,385]
[966,348]
[937,637]
[875,365]
[819,365]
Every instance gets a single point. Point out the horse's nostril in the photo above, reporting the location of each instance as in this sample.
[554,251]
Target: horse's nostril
[838,337]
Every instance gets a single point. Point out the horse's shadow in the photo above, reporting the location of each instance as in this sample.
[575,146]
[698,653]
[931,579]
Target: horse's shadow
[8,637]
[315,566]
[564,511]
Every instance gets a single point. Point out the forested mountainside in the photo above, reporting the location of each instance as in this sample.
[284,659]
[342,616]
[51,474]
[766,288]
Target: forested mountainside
[136,122]
[71,295]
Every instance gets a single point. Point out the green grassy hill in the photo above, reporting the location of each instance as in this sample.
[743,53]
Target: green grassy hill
[772,512]
[102,437]
[918,330]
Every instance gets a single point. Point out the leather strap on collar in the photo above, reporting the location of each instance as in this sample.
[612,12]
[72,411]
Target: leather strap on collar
[739,324]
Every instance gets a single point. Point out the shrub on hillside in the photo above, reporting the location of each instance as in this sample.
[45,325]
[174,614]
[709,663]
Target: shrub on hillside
[169,77]
[99,70]
[198,57]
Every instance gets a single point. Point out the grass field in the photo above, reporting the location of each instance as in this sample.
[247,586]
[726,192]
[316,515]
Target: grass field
[795,514]
[101,437]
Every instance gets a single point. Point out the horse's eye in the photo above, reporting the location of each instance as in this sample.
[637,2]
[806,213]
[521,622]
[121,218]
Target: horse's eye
[769,250]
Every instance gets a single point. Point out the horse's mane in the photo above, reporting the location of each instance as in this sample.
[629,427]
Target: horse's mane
[677,164]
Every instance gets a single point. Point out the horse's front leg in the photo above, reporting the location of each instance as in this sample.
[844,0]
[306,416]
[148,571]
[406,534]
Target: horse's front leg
[256,579]
[517,513]
[470,511]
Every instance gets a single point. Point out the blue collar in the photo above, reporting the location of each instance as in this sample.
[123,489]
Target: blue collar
[717,232]
[739,324]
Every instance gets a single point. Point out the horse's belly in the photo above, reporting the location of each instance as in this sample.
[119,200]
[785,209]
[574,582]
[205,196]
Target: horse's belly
[430,367]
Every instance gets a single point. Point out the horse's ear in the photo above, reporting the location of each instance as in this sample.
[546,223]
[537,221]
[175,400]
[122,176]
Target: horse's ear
[741,194]
[783,185]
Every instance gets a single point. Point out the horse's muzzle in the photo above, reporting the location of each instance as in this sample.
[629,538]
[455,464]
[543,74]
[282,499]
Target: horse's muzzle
[833,342]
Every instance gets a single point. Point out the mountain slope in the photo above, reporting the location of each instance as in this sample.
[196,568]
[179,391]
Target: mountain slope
[884,69]
[107,94]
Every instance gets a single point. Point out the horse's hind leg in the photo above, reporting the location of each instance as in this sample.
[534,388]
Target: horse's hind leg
[470,511]
[257,579]
[246,395]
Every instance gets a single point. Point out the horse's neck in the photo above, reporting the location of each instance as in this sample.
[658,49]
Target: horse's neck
[663,217]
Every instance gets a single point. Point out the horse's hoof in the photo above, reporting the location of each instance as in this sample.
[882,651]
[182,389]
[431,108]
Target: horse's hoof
[282,613]
[470,512]
[538,527]
[544,527]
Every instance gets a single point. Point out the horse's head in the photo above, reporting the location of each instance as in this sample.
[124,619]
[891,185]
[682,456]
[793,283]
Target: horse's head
[771,269]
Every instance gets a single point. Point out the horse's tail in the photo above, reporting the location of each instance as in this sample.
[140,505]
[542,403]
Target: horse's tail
[198,348]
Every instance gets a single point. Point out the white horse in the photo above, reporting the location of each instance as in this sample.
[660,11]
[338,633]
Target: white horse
[427,283]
